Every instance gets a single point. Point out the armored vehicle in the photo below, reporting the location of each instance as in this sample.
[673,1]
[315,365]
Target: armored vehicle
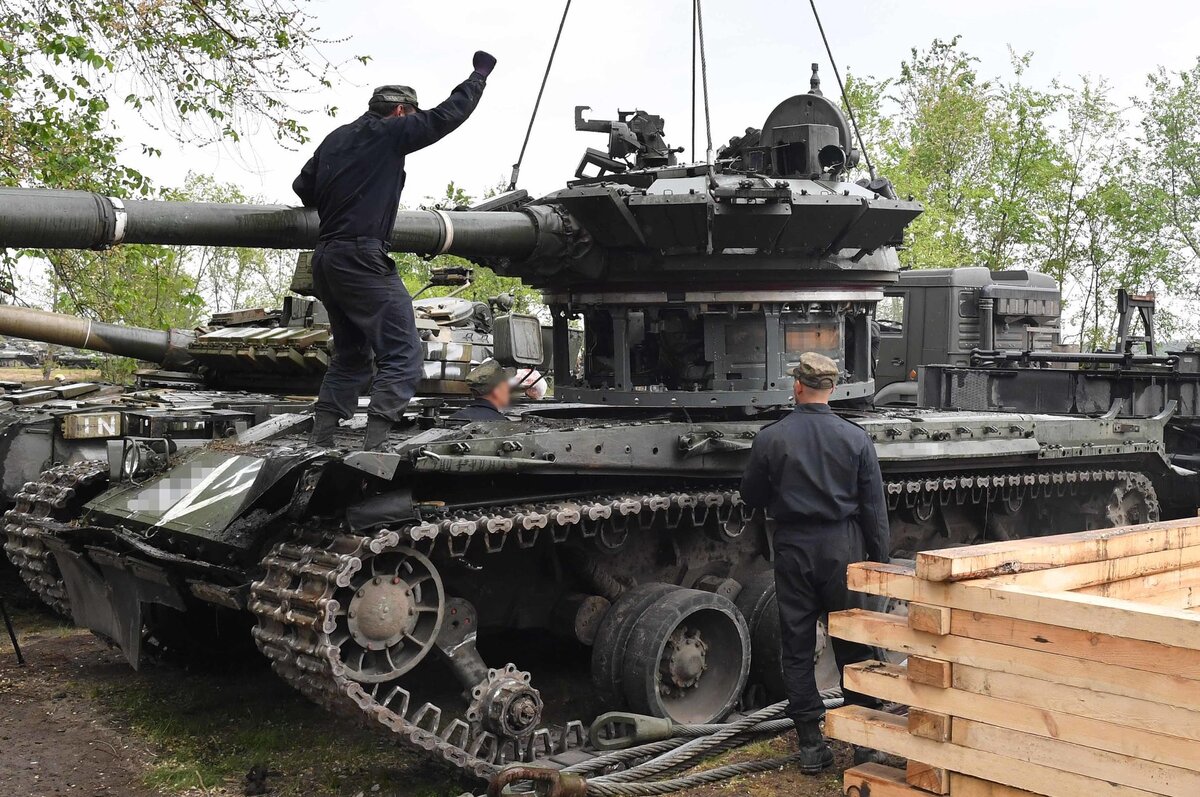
[609,516]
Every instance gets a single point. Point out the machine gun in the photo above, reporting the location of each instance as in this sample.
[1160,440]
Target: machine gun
[635,133]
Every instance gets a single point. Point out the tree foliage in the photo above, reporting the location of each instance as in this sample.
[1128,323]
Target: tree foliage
[1055,179]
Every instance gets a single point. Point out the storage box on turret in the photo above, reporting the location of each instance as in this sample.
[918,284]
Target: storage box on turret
[1065,666]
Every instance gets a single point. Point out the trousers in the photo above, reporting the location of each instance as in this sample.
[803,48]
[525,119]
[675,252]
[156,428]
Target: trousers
[810,581]
[371,318]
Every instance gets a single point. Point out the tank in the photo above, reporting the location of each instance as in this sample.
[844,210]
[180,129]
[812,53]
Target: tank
[605,523]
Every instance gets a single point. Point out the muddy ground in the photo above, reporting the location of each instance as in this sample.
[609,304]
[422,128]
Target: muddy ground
[76,720]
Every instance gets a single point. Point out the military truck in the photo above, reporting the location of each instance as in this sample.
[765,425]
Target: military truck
[943,315]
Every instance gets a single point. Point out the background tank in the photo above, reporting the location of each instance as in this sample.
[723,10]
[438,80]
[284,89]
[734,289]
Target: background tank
[609,518]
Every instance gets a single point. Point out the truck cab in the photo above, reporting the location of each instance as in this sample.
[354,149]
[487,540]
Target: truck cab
[939,316]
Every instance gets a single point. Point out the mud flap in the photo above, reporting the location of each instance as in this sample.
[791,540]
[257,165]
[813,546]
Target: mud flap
[107,591]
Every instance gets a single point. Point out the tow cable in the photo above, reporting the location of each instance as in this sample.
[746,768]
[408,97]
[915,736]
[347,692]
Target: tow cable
[640,754]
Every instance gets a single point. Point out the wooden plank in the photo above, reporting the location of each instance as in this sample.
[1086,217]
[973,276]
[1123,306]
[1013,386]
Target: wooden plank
[882,731]
[926,778]
[876,780]
[892,633]
[967,786]
[1032,553]
[931,672]
[929,619]
[1165,626]
[1068,757]
[1011,710]
[924,723]
[1107,648]
[1073,577]
[1117,710]
[1139,588]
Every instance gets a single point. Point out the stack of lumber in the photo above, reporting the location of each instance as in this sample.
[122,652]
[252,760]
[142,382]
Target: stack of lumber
[1066,666]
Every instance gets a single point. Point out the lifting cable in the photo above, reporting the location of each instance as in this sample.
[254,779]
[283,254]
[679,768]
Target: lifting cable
[692,151]
[516,170]
[842,87]
[703,80]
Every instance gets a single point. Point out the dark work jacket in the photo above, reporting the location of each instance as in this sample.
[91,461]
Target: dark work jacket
[355,178]
[479,410]
[814,470]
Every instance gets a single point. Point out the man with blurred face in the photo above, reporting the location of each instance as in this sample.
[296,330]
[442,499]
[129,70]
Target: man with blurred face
[818,477]
[489,384]
[354,181]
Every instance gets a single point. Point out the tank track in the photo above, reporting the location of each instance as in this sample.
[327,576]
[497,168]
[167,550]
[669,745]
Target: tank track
[33,516]
[294,607]
[294,602]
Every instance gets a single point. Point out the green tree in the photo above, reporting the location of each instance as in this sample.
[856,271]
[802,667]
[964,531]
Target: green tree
[229,277]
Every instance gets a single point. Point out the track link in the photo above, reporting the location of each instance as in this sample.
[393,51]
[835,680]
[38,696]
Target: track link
[45,507]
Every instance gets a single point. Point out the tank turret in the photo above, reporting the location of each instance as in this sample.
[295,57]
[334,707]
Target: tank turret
[697,285]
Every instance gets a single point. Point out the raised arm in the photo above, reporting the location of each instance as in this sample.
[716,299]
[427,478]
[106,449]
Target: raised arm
[877,536]
[418,130]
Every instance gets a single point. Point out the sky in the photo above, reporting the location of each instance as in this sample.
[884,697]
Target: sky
[627,54]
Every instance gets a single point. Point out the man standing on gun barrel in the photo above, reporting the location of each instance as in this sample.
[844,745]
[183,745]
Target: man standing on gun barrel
[818,477]
[354,181]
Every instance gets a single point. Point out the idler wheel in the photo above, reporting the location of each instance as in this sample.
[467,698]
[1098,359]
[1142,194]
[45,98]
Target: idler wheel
[608,649]
[687,658]
[389,615]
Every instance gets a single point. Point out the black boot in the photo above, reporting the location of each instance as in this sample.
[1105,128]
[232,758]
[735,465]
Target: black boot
[377,432]
[869,755]
[324,425]
[815,753]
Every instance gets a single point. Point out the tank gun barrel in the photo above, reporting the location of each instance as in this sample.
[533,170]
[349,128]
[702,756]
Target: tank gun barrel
[166,347]
[33,218]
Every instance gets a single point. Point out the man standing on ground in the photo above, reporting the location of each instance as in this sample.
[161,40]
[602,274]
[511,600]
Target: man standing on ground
[818,477]
[354,181]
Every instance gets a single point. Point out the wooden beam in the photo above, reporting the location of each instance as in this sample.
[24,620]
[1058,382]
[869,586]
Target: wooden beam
[892,633]
[1139,588]
[931,672]
[925,723]
[967,786]
[1132,653]
[876,780]
[956,564]
[1045,718]
[1074,701]
[1073,577]
[1174,627]
[926,778]
[883,731]
[1068,757]
[929,619]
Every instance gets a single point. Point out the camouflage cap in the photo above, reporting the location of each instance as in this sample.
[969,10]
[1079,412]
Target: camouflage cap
[485,376]
[398,94]
[816,371]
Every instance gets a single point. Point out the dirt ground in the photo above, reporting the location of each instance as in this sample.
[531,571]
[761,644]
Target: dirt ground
[76,720]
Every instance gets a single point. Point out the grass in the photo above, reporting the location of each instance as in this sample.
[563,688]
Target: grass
[211,729]
[35,374]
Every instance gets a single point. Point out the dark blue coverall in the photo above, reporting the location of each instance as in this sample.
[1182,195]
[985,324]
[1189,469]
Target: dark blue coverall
[354,181]
[479,410]
[818,476]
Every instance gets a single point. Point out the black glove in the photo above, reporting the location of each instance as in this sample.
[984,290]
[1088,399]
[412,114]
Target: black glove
[483,62]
